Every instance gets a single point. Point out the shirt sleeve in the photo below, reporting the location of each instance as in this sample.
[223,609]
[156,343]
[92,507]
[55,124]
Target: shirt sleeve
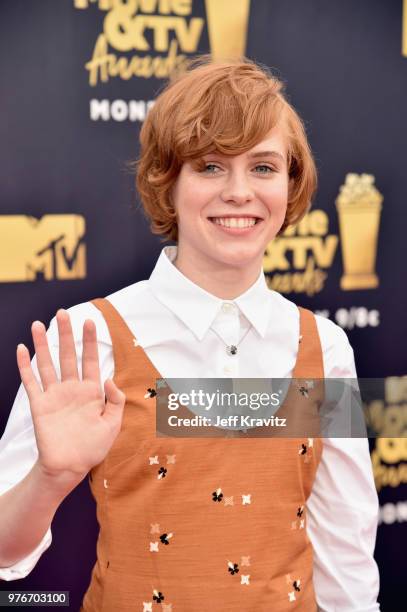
[18,453]
[342,510]
[18,447]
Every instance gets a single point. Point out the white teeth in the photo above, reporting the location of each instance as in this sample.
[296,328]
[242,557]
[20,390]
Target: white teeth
[239,222]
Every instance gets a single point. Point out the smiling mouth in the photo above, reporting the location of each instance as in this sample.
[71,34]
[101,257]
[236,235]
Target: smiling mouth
[235,222]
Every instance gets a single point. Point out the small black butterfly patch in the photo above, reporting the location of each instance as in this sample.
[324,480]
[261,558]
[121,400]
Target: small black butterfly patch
[159,597]
[217,495]
[233,568]
[162,472]
[150,393]
[304,391]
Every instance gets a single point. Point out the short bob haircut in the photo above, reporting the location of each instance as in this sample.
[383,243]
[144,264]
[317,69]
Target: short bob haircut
[227,106]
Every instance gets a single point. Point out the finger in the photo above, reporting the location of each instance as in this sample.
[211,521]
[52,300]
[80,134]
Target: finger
[90,355]
[31,384]
[115,400]
[67,352]
[45,364]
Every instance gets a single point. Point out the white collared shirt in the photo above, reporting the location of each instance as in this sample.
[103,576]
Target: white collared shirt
[174,321]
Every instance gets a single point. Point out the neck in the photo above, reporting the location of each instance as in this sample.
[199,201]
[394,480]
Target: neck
[224,281]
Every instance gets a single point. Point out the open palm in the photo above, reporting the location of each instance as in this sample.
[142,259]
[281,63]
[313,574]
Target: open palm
[74,424]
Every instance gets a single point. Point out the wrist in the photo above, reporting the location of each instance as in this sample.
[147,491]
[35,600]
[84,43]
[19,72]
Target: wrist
[63,480]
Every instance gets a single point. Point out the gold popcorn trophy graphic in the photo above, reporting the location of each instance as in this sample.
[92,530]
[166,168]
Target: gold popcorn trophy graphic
[227,27]
[359,204]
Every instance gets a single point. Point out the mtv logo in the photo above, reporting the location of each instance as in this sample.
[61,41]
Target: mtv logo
[50,248]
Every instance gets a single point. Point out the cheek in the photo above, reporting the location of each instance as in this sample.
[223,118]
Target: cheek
[276,199]
[193,199]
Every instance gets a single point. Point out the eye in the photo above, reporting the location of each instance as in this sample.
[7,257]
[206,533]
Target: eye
[265,169]
[210,168]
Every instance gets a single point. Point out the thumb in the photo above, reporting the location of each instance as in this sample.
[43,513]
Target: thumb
[115,400]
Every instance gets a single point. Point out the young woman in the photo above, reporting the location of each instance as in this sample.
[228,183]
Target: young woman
[206,523]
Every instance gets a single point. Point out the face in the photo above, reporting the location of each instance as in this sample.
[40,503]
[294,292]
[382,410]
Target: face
[232,208]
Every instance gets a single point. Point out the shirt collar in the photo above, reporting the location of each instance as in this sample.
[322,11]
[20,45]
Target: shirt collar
[198,308]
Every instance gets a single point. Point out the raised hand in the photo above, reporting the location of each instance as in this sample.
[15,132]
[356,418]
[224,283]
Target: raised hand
[73,425]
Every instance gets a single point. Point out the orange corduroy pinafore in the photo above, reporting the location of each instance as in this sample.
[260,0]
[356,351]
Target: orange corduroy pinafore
[200,525]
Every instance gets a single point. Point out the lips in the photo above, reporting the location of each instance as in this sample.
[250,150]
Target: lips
[236,225]
[235,221]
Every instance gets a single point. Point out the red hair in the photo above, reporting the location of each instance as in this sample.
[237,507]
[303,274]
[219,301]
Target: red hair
[227,106]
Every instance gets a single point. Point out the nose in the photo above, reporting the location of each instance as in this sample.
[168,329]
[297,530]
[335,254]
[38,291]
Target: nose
[237,189]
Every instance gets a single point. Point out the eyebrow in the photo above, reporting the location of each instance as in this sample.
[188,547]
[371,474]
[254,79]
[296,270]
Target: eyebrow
[256,154]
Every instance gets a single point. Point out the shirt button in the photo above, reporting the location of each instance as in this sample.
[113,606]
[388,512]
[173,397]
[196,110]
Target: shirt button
[228,307]
[227,370]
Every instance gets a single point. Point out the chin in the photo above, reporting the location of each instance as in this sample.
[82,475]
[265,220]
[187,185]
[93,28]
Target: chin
[239,258]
